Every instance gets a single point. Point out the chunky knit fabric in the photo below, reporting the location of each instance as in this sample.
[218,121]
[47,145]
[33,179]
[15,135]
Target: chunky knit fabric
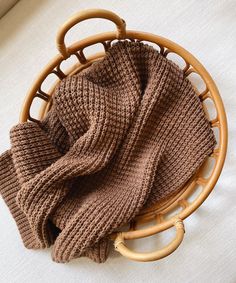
[127,132]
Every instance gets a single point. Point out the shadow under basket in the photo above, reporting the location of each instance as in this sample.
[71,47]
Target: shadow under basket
[170,212]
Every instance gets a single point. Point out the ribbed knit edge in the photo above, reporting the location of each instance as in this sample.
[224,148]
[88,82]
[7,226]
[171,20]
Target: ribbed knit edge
[100,251]
[9,187]
[32,151]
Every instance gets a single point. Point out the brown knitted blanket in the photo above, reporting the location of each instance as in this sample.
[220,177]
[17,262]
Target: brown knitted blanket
[125,133]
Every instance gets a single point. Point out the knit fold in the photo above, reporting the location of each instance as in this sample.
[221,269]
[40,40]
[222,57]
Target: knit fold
[127,132]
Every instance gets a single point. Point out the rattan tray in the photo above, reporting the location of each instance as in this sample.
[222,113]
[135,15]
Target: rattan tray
[196,190]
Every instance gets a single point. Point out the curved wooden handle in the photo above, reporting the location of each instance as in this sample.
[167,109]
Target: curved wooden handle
[84,15]
[151,256]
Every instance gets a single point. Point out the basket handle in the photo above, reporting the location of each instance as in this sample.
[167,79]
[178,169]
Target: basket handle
[151,256]
[84,15]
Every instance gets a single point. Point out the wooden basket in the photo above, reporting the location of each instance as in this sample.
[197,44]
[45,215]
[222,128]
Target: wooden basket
[200,185]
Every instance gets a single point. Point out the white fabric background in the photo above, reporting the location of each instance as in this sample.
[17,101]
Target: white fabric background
[208,30]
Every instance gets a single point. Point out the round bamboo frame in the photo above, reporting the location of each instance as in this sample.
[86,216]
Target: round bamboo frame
[160,211]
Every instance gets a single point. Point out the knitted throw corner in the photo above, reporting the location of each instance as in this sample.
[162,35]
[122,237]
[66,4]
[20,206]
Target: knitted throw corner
[125,133]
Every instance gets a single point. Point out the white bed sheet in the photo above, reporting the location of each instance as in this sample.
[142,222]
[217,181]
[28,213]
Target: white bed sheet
[208,30]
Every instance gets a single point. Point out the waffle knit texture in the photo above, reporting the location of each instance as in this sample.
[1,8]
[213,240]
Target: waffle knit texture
[125,133]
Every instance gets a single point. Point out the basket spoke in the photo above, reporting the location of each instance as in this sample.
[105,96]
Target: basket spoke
[43,95]
[215,122]
[106,45]
[189,71]
[58,72]
[166,52]
[81,57]
[132,39]
[215,153]
[160,218]
[183,203]
[204,95]
[162,49]
[201,181]
[186,67]
[33,119]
